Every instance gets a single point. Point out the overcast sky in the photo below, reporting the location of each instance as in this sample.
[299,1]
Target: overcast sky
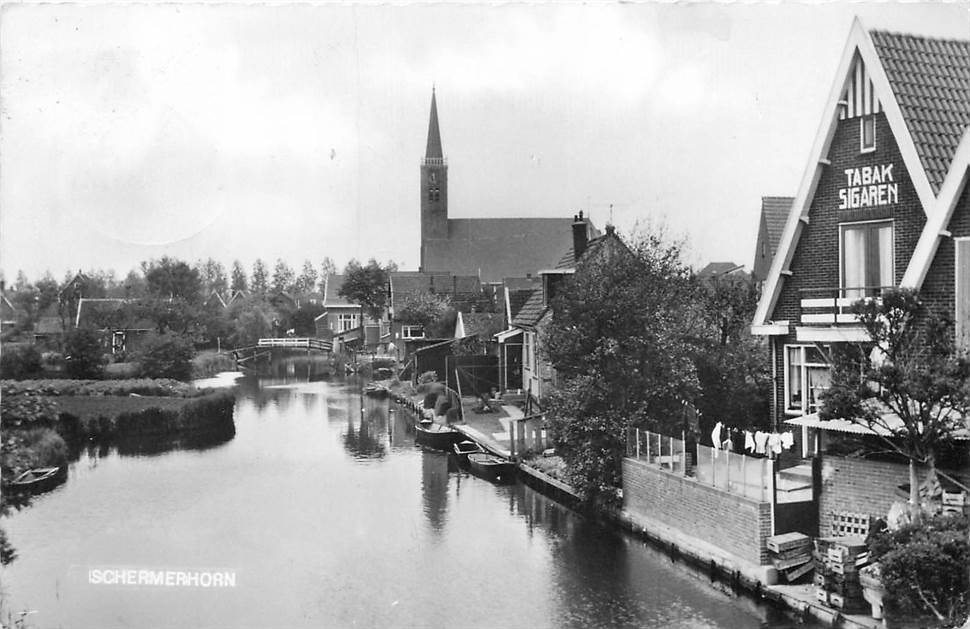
[296,131]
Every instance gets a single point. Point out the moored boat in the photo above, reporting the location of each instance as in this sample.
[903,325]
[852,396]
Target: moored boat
[436,436]
[376,390]
[40,479]
[463,448]
[491,467]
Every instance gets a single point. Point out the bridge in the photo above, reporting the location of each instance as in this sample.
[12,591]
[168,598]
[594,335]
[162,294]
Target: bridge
[264,347]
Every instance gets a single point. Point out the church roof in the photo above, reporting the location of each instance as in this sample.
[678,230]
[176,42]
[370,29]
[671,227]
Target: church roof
[496,248]
[434,136]
[930,79]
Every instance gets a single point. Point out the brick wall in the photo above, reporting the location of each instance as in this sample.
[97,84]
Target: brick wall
[860,486]
[733,523]
[938,287]
[816,263]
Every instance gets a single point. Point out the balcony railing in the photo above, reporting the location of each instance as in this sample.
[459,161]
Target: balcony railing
[833,306]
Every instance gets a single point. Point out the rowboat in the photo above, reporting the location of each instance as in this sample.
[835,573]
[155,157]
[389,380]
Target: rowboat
[436,436]
[463,448]
[491,467]
[40,479]
[376,390]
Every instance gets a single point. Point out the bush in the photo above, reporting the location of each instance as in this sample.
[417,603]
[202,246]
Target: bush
[84,356]
[924,566]
[142,386]
[430,400]
[45,448]
[19,362]
[122,371]
[167,356]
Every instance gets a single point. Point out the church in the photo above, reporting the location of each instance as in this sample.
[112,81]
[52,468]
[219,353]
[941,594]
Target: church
[490,248]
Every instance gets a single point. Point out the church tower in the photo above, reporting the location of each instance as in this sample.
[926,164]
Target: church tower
[434,187]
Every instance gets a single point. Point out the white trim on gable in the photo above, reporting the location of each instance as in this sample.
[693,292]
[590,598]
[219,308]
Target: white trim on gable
[858,43]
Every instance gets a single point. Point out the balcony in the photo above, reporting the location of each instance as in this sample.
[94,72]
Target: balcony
[833,306]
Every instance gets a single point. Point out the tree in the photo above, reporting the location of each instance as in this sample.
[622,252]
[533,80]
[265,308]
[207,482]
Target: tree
[169,278]
[327,268]
[167,356]
[427,310]
[252,319]
[134,285]
[239,282]
[260,280]
[283,277]
[908,384]
[619,341]
[367,286]
[307,279]
[212,275]
[733,371]
[84,355]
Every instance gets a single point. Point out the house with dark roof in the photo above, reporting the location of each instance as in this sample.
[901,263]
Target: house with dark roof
[883,203]
[774,213]
[344,321]
[122,328]
[9,314]
[463,292]
[487,248]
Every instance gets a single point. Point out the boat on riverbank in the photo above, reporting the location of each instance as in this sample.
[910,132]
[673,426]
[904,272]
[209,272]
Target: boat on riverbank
[436,436]
[492,468]
[40,479]
[376,390]
[463,448]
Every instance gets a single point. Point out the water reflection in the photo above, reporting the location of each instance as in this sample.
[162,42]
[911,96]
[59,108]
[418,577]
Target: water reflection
[365,440]
[434,488]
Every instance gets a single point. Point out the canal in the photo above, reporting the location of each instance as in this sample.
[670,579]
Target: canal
[325,514]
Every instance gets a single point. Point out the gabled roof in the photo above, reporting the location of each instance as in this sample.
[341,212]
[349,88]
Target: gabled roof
[108,314]
[460,288]
[932,138]
[774,212]
[482,324]
[531,311]
[931,81]
[717,269]
[331,298]
[7,309]
[496,248]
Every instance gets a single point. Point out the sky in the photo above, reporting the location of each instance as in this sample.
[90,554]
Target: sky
[295,131]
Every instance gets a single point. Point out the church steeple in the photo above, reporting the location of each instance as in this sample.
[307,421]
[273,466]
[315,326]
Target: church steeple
[434,188]
[433,151]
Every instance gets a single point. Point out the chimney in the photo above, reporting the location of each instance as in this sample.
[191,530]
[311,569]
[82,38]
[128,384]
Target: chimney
[580,236]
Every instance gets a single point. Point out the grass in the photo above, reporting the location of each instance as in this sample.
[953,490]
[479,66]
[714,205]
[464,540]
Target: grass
[208,363]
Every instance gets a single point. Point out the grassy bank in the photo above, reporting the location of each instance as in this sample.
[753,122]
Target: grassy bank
[208,363]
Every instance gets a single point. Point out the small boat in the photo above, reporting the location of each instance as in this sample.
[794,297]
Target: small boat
[463,448]
[491,467]
[40,479]
[376,390]
[436,436]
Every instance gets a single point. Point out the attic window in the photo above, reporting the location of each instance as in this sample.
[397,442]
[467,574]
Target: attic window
[867,134]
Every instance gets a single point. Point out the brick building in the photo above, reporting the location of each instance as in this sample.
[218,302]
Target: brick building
[488,248]
[882,203]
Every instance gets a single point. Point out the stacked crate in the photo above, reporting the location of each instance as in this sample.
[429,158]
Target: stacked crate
[837,563]
[791,554]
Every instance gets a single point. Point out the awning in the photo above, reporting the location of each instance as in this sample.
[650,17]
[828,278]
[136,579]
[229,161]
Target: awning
[889,424]
[507,334]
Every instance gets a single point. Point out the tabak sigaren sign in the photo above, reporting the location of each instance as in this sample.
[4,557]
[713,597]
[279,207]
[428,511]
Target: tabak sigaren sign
[869,186]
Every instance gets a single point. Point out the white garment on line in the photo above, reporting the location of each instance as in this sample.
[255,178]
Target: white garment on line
[760,440]
[716,435]
[748,441]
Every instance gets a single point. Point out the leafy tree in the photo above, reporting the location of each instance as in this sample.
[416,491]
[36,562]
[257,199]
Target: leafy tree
[212,275]
[428,310]
[303,319]
[733,371]
[307,279]
[327,268]
[167,356]
[238,277]
[367,286]
[134,286]
[260,281]
[169,315]
[283,277]
[908,384]
[620,342]
[21,282]
[169,278]
[84,356]
[17,363]
[252,319]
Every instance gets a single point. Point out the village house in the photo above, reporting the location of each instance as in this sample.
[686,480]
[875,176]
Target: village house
[121,328]
[344,321]
[883,203]
[464,293]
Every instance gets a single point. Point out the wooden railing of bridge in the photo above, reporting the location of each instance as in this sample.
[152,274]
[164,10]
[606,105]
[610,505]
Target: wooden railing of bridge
[297,343]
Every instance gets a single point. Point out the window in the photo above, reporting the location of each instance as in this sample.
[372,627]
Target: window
[867,134]
[347,321]
[412,332]
[806,375]
[867,259]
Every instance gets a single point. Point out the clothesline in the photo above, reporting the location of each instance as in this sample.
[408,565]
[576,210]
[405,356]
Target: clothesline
[758,442]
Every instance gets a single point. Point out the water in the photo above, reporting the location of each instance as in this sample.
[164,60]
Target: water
[329,516]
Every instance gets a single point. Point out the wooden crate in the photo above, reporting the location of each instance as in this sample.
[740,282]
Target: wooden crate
[821,595]
[787,541]
[797,573]
[787,564]
[847,604]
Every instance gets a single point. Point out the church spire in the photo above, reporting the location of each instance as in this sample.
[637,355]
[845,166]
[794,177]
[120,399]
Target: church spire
[434,136]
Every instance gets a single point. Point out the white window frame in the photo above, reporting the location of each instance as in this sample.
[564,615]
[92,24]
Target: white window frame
[959,333]
[892,243]
[343,318]
[804,408]
[862,133]
[407,331]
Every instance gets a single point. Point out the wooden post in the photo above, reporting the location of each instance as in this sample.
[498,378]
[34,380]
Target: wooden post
[671,454]
[714,467]
[683,451]
[727,464]
[638,443]
[744,476]
[512,438]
